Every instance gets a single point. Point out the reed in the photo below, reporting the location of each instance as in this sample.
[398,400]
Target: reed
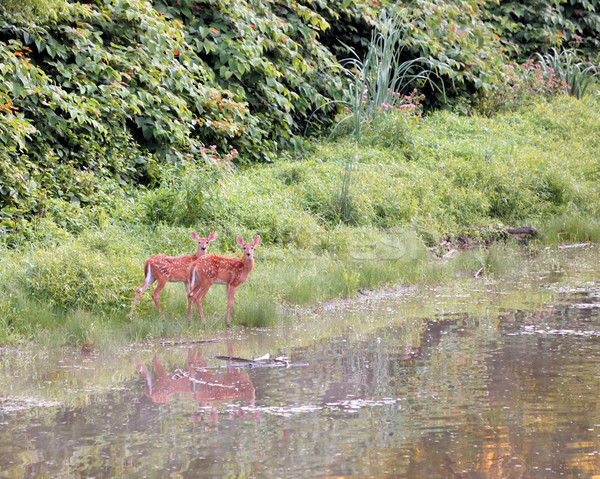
[567,66]
[378,84]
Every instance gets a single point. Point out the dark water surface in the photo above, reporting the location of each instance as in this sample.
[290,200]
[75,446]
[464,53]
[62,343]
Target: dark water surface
[482,379]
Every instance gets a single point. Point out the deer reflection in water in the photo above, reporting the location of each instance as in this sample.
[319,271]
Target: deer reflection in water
[198,382]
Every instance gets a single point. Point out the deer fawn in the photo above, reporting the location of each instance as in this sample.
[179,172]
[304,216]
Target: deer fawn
[212,268]
[162,269]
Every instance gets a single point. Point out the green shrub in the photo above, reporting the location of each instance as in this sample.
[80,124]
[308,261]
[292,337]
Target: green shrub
[35,10]
[271,56]
[190,192]
[76,111]
[73,276]
[540,25]
[463,52]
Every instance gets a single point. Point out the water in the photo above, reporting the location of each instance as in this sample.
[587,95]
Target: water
[482,379]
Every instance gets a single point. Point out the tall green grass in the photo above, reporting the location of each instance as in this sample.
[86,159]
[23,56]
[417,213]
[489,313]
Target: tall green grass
[572,228]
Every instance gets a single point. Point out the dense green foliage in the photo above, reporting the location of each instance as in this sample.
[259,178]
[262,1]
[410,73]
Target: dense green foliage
[267,53]
[462,49]
[95,99]
[37,11]
[538,26]
[95,96]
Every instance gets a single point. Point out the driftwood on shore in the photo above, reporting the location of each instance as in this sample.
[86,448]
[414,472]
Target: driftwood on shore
[263,361]
[185,343]
[483,237]
[522,230]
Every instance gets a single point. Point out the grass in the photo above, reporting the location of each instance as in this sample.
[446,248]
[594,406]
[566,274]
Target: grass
[459,176]
[572,228]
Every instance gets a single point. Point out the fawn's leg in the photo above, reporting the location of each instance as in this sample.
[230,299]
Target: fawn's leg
[205,285]
[148,280]
[194,285]
[159,287]
[191,286]
[191,300]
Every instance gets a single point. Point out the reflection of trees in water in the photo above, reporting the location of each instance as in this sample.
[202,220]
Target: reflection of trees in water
[469,397]
[473,397]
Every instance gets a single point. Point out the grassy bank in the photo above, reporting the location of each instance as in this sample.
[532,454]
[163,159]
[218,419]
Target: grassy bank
[335,217]
[97,287]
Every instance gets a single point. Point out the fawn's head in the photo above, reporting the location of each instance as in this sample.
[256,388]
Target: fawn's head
[203,242]
[248,247]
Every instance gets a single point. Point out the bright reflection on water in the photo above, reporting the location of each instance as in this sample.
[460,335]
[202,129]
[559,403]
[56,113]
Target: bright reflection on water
[480,380]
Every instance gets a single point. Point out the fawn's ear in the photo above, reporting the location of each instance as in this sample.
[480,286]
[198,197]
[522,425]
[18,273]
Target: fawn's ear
[240,241]
[212,236]
[256,241]
[194,236]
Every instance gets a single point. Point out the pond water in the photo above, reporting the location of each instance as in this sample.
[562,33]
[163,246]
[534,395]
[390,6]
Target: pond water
[480,379]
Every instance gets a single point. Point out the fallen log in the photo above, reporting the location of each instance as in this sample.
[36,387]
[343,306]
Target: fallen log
[522,230]
[264,361]
[193,341]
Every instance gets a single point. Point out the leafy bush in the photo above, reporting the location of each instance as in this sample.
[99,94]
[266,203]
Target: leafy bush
[462,50]
[190,192]
[526,84]
[35,10]
[539,26]
[270,55]
[99,92]
[73,277]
